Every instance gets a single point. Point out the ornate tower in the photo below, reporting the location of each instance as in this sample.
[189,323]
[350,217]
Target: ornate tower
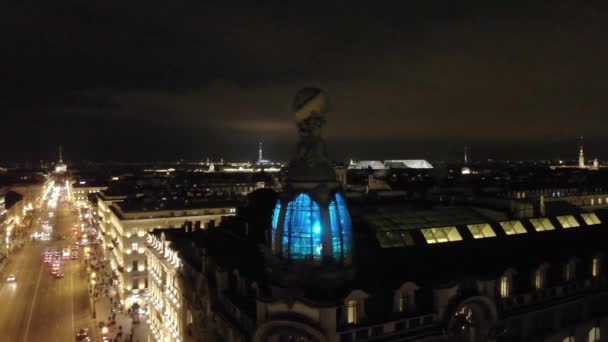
[581,156]
[260,152]
[311,224]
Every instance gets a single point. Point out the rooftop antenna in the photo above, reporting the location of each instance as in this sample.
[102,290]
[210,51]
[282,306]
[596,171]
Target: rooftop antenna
[581,155]
[60,155]
[260,152]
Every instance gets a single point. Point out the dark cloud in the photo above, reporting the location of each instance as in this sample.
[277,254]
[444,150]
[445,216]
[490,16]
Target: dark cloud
[213,77]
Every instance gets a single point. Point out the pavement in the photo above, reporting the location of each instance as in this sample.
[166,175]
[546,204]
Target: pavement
[38,306]
[108,309]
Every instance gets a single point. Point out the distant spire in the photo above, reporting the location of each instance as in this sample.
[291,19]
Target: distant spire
[60,155]
[581,156]
[465,155]
[260,152]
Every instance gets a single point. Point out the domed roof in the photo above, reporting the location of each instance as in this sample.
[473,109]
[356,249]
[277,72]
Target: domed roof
[302,229]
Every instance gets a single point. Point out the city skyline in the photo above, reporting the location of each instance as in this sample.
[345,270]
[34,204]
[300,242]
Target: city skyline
[194,80]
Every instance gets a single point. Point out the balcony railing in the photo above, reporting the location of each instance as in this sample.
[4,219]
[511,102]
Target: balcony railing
[413,325]
[560,292]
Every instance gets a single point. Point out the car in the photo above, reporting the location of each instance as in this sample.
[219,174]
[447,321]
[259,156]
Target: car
[82,335]
[11,278]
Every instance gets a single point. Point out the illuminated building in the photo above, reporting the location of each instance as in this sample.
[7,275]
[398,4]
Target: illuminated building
[581,164]
[81,189]
[392,164]
[166,298]
[465,168]
[390,269]
[124,223]
[60,167]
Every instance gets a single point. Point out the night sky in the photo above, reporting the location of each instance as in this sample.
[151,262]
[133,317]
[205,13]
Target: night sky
[162,80]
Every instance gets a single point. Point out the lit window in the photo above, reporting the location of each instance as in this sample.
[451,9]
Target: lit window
[351,312]
[568,221]
[539,279]
[134,232]
[595,267]
[592,201]
[599,201]
[400,302]
[542,224]
[590,219]
[302,229]
[569,271]
[505,286]
[134,247]
[480,231]
[594,335]
[441,235]
[569,339]
[513,227]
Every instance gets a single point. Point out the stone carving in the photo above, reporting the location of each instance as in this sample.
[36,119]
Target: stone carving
[310,106]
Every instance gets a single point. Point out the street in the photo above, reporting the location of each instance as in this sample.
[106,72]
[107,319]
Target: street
[39,306]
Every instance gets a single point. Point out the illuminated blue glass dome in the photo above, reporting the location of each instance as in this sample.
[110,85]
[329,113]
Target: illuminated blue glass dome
[305,230]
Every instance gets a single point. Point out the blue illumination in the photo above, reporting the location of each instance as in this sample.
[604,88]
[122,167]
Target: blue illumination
[302,229]
[275,220]
[341,227]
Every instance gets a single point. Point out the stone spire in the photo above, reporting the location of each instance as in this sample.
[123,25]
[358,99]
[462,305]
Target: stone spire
[581,156]
[60,155]
[260,152]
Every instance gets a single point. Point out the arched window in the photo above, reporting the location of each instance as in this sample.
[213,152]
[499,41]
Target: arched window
[302,229]
[539,278]
[352,316]
[400,302]
[341,227]
[570,270]
[505,286]
[594,335]
[405,298]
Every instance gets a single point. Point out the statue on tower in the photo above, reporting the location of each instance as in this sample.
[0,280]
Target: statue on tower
[310,107]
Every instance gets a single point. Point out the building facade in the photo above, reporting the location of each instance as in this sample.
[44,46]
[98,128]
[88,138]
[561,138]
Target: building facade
[124,232]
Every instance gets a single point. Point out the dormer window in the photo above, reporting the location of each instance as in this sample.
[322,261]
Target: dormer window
[540,276]
[505,286]
[352,316]
[400,302]
[570,271]
[594,334]
[405,298]
[595,267]
[539,279]
[353,311]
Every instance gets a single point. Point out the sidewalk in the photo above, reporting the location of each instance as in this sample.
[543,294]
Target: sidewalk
[106,301]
